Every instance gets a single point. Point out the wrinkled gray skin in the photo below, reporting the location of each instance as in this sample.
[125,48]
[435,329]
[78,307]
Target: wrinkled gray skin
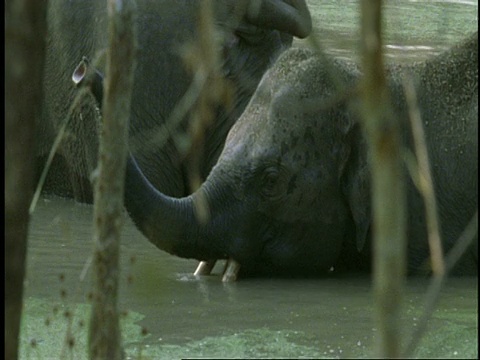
[251,42]
[290,192]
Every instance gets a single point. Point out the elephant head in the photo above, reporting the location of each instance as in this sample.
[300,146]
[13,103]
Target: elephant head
[289,187]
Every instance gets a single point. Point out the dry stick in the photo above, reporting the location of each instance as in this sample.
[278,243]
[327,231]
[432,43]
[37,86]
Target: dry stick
[433,292]
[388,188]
[420,173]
[48,163]
[425,183]
[186,103]
[199,122]
[196,57]
[25,29]
[201,84]
[214,91]
[203,57]
[329,65]
[104,335]
[58,140]
[343,93]
[462,244]
[60,135]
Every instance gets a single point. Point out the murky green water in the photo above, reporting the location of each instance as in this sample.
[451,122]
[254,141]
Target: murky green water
[172,314]
[193,317]
[414,29]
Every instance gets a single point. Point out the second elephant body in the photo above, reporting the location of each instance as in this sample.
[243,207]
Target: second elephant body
[77,28]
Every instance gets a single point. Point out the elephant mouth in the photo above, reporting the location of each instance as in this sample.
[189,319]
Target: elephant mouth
[276,248]
[252,245]
[291,250]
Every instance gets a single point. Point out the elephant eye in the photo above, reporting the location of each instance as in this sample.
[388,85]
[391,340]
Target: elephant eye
[270,180]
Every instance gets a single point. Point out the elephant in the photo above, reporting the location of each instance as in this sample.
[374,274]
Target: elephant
[253,34]
[290,193]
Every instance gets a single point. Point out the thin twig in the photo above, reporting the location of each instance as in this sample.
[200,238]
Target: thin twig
[203,58]
[58,140]
[462,244]
[388,189]
[316,44]
[433,293]
[424,179]
[46,168]
[25,33]
[186,103]
[104,337]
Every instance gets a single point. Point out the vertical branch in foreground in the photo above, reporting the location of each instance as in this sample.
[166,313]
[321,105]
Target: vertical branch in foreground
[203,58]
[25,28]
[425,181]
[388,194]
[104,336]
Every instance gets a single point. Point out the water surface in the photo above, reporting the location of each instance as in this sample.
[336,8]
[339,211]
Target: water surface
[182,315]
[413,29]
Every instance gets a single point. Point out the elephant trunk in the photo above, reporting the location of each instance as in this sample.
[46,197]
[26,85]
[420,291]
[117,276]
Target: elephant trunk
[291,17]
[169,223]
[174,225]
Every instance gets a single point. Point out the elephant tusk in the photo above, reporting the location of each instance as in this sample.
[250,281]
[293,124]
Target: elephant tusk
[231,271]
[205,267]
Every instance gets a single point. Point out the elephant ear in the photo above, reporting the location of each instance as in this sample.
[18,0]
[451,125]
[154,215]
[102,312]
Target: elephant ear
[356,187]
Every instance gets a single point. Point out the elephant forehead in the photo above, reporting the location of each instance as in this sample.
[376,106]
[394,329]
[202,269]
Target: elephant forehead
[278,94]
[283,117]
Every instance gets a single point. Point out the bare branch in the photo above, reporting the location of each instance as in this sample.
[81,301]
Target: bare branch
[104,335]
[425,183]
[58,140]
[25,28]
[203,57]
[433,292]
[388,193]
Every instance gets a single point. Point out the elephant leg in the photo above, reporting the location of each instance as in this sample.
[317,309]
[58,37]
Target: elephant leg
[205,267]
